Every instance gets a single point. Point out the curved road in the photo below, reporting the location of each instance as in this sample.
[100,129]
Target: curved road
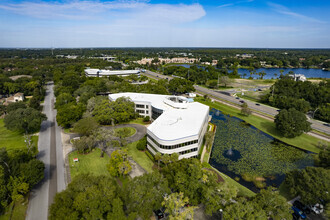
[317,125]
[50,152]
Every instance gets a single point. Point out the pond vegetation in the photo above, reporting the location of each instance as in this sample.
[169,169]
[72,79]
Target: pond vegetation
[251,156]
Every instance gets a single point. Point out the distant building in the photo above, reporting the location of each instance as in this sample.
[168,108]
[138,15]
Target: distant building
[298,77]
[178,126]
[145,61]
[15,98]
[105,73]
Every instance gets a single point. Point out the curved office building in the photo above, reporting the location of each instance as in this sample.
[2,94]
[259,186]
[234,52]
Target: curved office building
[178,126]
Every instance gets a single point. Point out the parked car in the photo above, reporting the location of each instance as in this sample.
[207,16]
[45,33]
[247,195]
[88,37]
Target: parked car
[241,101]
[159,214]
[317,208]
[302,207]
[237,97]
[328,125]
[257,104]
[298,212]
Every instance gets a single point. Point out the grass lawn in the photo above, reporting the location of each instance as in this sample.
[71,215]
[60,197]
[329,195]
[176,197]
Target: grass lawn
[88,163]
[16,212]
[136,121]
[242,190]
[131,131]
[304,141]
[140,157]
[12,140]
[206,156]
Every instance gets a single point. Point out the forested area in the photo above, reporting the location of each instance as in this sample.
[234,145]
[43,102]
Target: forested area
[306,58]
[183,182]
[302,96]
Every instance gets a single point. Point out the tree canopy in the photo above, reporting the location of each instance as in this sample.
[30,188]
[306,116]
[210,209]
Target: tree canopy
[291,123]
[24,120]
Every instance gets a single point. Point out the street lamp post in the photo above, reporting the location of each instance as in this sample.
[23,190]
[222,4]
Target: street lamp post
[221,214]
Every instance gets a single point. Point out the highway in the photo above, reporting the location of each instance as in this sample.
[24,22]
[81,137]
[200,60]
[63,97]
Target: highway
[260,108]
[50,152]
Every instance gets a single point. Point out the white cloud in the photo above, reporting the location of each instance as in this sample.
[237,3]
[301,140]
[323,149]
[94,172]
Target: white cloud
[130,9]
[286,11]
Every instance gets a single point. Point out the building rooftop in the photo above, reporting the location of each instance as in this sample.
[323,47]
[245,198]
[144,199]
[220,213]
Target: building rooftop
[94,72]
[181,118]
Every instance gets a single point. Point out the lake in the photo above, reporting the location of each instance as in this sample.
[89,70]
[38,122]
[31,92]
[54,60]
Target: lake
[252,157]
[270,72]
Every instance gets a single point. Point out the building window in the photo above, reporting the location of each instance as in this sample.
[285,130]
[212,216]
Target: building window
[147,112]
[170,147]
[140,111]
[139,106]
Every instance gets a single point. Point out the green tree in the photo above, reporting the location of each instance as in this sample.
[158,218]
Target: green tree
[291,123]
[69,114]
[143,194]
[175,206]
[24,120]
[89,197]
[310,184]
[14,106]
[224,80]
[85,126]
[245,110]
[63,99]
[85,144]
[121,110]
[32,172]
[18,187]
[34,103]
[158,157]
[142,144]
[180,86]
[119,164]
[323,158]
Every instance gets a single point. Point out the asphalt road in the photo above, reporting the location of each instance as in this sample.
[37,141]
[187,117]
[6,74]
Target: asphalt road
[317,125]
[50,152]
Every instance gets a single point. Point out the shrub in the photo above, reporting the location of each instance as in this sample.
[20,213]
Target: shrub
[142,144]
[150,156]
[146,119]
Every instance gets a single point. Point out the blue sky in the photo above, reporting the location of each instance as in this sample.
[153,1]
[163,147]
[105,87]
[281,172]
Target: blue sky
[160,23]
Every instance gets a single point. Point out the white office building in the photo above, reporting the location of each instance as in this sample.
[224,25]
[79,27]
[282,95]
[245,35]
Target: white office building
[105,73]
[178,126]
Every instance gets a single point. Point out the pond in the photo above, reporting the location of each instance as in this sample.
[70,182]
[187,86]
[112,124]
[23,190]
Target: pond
[275,72]
[250,156]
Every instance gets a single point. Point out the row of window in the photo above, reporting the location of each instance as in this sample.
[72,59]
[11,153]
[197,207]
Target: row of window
[141,106]
[188,151]
[142,111]
[181,152]
[168,147]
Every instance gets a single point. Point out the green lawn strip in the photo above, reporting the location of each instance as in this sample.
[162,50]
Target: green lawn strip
[12,140]
[140,157]
[131,131]
[305,141]
[206,156]
[16,211]
[88,163]
[242,190]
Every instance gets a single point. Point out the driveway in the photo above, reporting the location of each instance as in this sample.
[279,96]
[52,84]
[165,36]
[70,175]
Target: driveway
[141,131]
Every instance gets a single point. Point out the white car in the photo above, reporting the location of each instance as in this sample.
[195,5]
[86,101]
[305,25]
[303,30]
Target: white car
[317,208]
